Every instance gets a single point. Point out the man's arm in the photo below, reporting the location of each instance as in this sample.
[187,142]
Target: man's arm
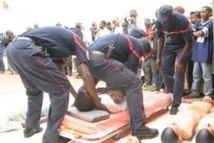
[161,42]
[186,30]
[186,51]
[90,86]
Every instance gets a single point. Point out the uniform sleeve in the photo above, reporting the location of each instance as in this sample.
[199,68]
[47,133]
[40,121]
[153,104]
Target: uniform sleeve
[80,50]
[186,29]
[159,28]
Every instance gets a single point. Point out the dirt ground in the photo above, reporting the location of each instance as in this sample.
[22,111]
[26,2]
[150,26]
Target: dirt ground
[11,88]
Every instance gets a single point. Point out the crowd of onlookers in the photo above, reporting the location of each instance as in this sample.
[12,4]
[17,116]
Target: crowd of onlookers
[148,72]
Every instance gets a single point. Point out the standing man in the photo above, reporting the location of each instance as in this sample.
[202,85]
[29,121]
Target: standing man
[114,58]
[174,46]
[36,56]
[133,21]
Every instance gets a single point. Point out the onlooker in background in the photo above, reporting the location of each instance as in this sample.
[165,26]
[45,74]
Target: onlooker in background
[103,30]
[179,9]
[80,26]
[109,26]
[58,24]
[117,28]
[68,65]
[149,69]
[149,59]
[93,30]
[133,21]
[125,25]
[148,28]
[2,67]
[194,17]
[174,47]
[9,36]
[35,26]
[28,28]
[202,53]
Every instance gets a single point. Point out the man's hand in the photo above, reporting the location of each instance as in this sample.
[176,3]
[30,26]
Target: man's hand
[180,68]
[158,63]
[102,107]
[133,20]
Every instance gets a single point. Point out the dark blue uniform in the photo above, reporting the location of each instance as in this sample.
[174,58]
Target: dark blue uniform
[119,69]
[176,33]
[32,55]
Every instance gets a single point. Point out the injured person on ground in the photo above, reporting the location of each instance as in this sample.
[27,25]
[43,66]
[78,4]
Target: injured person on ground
[113,99]
[13,117]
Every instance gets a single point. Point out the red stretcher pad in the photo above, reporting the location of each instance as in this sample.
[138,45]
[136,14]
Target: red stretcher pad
[84,131]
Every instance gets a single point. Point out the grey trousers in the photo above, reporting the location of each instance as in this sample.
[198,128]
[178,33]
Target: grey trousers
[115,73]
[39,74]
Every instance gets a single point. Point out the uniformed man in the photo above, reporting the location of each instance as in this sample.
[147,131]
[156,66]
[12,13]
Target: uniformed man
[36,55]
[114,58]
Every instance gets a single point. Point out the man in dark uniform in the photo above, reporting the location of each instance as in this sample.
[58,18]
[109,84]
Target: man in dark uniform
[114,58]
[36,56]
[174,45]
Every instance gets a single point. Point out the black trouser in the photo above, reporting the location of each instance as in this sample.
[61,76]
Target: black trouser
[173,80]
[38,74]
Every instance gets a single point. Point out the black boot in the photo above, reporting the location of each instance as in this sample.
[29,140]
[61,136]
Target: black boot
[61,140]
[145,133]
[174,109]
[29,132]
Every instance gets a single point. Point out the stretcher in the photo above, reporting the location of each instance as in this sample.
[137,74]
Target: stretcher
[82,131]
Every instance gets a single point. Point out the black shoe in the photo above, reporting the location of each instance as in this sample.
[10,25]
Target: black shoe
[174,110]
[29,132]
[145,133]
[61,140]
[192,95]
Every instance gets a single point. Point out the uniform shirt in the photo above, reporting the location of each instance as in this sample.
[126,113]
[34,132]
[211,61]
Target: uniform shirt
[177,31]
[59,42]
[122,51]
[203,45]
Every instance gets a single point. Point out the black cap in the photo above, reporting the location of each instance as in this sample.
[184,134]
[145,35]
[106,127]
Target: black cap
[146,45]
[165,12]
[137,33]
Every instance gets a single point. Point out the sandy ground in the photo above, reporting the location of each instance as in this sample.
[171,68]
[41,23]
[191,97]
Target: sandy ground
[11,88]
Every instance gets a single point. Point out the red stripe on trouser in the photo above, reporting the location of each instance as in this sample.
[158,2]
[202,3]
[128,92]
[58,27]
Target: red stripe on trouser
[54,79]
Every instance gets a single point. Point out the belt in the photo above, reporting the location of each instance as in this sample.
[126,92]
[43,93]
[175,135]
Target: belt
[96,53]
[24,38]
